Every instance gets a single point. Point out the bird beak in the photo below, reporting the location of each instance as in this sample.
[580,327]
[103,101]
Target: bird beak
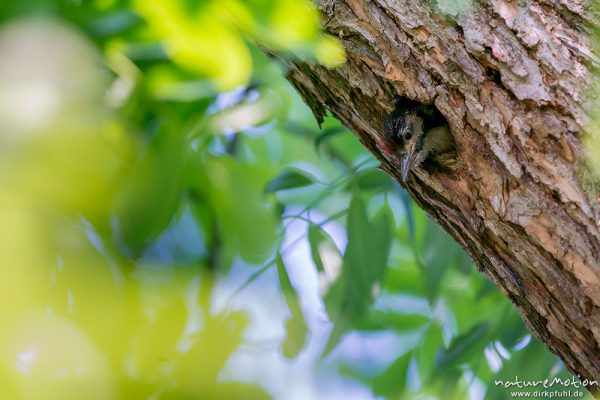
[406,164]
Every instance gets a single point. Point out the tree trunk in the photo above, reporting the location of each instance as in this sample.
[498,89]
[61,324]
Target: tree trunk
[510,78]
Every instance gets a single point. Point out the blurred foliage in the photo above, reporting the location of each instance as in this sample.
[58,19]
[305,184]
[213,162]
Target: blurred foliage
[589,170]
[175,225]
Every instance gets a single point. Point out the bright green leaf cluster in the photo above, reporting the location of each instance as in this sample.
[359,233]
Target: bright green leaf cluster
[207,37]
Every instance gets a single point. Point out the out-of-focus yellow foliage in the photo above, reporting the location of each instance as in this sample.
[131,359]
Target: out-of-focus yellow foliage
[51,357]
[330,52]
[592,146]
[292,25]
[591,138]
[207,37]
[77,320]
[199,40]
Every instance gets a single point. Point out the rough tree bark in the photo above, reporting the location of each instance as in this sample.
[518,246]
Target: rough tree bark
[510,77]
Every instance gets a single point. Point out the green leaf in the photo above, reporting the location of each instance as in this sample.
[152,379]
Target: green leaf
[464,263]
[315,238]
[289,179]
[392,381]
[464,347]
[288,291]
[319,241]
[367,250]
[297,334]
[151,192]
[407,279]
[511,328]
[379,243]
[341,325]
[327,134]
[373,180]
[383,320]
[410,218]
[295,327]
[246,222]
[431,342]
[438,251]
[365,261]
[488,287]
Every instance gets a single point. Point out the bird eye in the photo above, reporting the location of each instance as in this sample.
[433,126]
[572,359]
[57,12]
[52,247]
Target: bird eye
[407,135]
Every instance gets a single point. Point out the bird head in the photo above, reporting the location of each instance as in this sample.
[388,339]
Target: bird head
[403,137]
[413,137]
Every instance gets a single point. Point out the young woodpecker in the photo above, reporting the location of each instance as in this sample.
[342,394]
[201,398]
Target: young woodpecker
[414,132]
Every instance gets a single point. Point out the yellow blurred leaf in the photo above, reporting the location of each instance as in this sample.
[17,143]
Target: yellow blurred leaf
[45,357]
[200,42]
[330,52]
[294,24]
